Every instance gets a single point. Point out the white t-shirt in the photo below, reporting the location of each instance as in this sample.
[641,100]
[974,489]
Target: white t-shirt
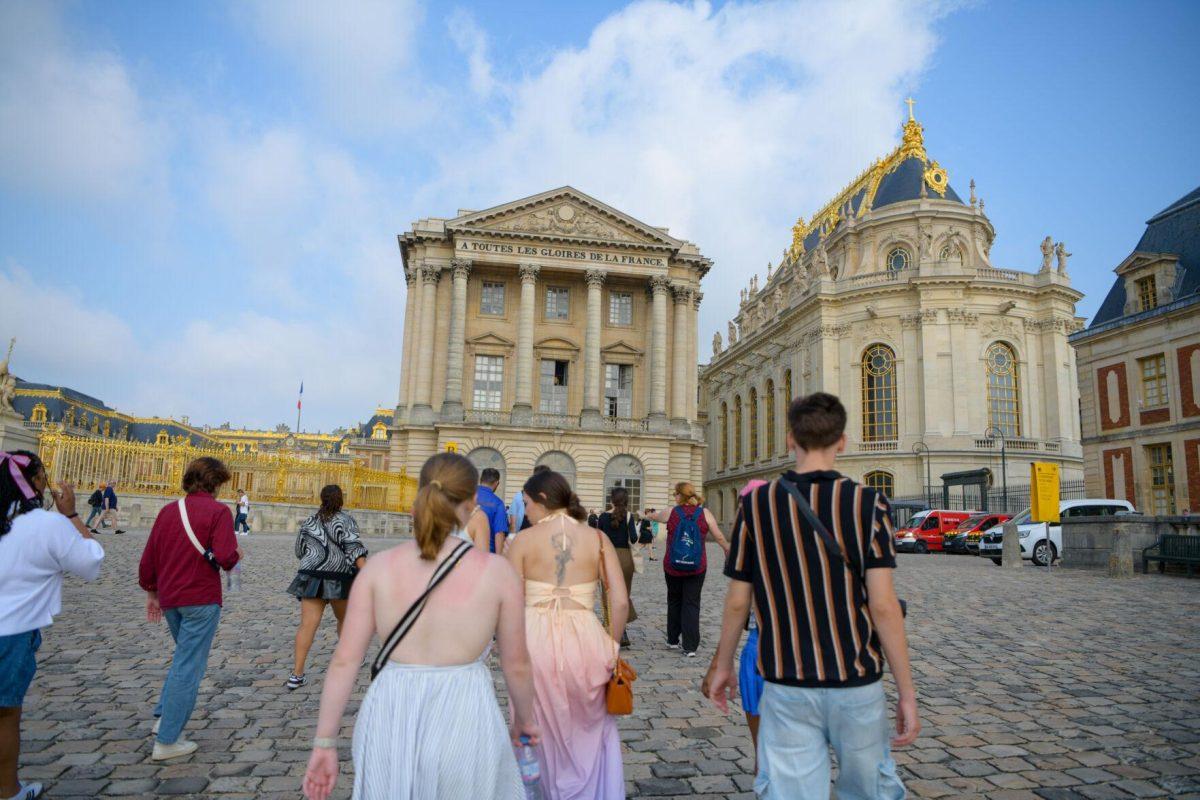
[34,555]
[244,505]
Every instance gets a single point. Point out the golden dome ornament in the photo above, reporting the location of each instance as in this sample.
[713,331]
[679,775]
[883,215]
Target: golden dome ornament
[936,178]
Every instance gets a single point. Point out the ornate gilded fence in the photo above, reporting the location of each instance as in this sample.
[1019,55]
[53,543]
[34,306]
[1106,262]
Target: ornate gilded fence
[158,470]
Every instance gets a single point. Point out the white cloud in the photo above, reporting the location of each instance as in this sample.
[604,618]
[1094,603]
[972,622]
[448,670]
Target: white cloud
[725,125]
[472,42]
[71,121]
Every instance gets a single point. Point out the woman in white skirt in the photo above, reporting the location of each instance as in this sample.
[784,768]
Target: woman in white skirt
[430,725]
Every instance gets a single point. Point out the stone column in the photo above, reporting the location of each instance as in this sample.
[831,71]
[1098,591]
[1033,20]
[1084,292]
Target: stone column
[679,343]
[452,406]
[406,360]
[590,418]
[421,412]
[522,412]
[659,287]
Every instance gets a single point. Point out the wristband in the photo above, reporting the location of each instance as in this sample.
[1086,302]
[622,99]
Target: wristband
[325,742]
[73,515]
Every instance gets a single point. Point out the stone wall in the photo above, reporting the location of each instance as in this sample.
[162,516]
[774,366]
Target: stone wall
[139,511]
[1087,541]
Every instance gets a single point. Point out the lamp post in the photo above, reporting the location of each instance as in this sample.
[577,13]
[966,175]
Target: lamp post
[919,448]
[995,433]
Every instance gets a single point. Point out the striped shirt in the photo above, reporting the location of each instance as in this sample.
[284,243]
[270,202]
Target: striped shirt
[814,626]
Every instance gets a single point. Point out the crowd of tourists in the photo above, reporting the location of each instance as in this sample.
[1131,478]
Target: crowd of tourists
[809,562]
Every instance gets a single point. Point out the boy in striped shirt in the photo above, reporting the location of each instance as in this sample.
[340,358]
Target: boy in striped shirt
[828,617]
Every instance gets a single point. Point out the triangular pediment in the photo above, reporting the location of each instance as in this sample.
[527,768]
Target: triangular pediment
[621,348]
[490,339]
[564,213]
[1140,258]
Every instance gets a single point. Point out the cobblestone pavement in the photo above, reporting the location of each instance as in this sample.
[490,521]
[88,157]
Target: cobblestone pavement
[1032,685]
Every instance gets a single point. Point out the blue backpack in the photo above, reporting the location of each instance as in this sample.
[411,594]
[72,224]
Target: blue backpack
[687,545]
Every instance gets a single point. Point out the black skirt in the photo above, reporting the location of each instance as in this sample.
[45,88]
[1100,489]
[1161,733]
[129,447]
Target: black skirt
[321,585]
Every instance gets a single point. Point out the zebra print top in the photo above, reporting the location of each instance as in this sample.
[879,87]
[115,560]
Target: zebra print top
[329,545]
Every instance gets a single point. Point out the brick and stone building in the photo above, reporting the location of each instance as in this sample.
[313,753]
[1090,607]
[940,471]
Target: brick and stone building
[1139,370]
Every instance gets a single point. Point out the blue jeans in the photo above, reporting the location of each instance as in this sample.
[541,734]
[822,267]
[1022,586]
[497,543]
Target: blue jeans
[239,524]
[797,728]
[192,628]
[96,511]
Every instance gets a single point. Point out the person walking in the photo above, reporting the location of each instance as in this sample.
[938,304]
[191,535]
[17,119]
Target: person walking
[240,526]
[331,554]
[646,536]
[430,724]
[37,548]
[95,502]
[828,618]
[621,529]
[685,563]
[110,507]
[489,521]
[560,559]
[190,542]
[517,519]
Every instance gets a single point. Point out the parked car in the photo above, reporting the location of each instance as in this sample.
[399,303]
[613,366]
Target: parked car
[926,530]
[1032,535]
[966,538]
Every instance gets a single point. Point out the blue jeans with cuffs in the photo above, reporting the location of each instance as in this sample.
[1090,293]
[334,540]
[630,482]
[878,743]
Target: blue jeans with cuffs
[192,628]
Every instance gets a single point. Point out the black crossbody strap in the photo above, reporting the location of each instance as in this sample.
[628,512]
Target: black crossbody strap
[811,517]
[410,617]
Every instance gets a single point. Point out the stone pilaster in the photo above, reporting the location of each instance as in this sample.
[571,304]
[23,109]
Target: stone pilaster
[590,418]
[452,406]
[680,349]
[421,412]
[522,412]
[693,385]
[407,368]
[659,287]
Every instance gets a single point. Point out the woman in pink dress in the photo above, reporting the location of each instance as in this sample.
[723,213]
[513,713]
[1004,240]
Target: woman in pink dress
[559,557]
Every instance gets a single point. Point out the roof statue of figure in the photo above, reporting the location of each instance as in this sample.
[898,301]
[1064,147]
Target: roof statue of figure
[1060,250]
[716,343]
[1047,253]
[8,381]
[732,333]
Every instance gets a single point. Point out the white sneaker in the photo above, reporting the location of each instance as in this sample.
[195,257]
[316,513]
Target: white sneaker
[28,791]
[164,752]
[157,722]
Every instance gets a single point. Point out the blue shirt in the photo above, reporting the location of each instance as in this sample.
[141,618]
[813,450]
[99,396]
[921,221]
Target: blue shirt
[110,498]
[493,508]
[516,509]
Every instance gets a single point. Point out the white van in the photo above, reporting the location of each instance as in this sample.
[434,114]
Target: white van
[1032,535]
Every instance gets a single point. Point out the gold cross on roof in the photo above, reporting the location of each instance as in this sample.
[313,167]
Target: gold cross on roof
[910,103]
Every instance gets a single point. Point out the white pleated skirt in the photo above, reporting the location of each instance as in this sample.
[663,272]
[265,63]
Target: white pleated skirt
[433,733]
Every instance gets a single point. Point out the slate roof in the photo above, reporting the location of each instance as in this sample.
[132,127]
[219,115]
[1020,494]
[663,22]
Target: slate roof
[1176,230]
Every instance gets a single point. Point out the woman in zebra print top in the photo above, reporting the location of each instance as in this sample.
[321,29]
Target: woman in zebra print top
[330,554]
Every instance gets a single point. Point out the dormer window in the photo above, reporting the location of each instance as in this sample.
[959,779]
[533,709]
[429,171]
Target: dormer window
[1147,293]
[897,259]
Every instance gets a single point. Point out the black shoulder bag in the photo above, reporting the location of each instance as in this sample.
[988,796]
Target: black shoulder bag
[410,617]
[831,544]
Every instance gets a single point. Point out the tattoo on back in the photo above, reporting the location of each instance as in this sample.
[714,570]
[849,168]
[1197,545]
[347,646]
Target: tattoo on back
[562,557]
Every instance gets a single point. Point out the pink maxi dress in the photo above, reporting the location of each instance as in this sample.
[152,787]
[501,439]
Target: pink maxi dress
[573,658]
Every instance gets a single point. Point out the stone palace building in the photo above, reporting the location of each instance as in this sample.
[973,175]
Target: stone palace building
[888,298]
[553,330]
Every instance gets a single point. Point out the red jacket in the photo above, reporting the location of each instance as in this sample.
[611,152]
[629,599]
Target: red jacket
[171,564]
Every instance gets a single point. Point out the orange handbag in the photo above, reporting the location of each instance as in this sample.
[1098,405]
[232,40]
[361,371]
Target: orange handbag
[619,693]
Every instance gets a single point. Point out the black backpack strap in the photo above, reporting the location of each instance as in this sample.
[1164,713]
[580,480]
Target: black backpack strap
[410,617]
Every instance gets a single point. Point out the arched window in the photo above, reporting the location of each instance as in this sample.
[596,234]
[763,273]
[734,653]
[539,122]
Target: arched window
[561,463]
[38,414]
[484,457]
[753,425]
[897,259]
[737,430]
[772,423]
[626,472]
[1003,392]
[724,436]
[879,394]
[883,481]
[787,386]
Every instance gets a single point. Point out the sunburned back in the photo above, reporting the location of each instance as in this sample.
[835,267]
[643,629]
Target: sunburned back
[459,619]
[560,552]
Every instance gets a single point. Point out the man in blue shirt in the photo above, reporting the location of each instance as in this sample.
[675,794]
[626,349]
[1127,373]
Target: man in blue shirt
[493,511]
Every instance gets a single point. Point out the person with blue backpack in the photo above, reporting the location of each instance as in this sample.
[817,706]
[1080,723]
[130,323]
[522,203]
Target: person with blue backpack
[685,563]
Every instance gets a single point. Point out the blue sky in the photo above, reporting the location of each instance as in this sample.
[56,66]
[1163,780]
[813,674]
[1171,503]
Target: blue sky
[199,201]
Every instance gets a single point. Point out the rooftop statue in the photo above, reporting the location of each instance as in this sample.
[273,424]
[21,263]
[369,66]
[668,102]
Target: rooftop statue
[1060,250]
[716,343]
[8,381]
[1047,253]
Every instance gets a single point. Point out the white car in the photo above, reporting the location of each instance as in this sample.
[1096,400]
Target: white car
[1032,535]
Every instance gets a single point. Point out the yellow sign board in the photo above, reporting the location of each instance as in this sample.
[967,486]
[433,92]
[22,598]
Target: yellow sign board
[1044,494]
[451,447]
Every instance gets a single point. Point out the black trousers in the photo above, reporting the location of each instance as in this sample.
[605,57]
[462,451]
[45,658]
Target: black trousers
[683,609]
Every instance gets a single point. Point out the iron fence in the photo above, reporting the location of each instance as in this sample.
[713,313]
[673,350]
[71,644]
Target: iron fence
[970,498]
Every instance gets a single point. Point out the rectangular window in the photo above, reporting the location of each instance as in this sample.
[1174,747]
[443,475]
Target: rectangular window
[491,301]
[620,308]
[1162,479]
[489,383]
[554,386]
[1147,293]
[558,302]
[1154,381]
[618,390]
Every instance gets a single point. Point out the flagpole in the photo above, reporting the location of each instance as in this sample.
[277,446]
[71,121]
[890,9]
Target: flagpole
[299,406]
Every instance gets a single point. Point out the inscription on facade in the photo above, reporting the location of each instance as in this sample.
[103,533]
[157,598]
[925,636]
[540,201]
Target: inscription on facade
[572,254]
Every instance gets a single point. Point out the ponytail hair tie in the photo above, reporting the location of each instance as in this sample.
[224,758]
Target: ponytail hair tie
[15,463]
[436,482]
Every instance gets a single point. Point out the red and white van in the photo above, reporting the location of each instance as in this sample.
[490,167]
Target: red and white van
[927,530]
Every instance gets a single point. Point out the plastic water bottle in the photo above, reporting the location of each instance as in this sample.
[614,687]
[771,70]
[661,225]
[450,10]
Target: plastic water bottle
[235,578]
[531,770]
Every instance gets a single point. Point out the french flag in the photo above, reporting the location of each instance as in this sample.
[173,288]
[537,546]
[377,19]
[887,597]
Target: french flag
[301,397]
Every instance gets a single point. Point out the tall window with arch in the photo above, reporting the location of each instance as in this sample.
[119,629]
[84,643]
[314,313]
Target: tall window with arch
[724,435]
[772,423]
[753,424]
[1003,391]
[737,430]
[788,388]
[882,481]
[879,421]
